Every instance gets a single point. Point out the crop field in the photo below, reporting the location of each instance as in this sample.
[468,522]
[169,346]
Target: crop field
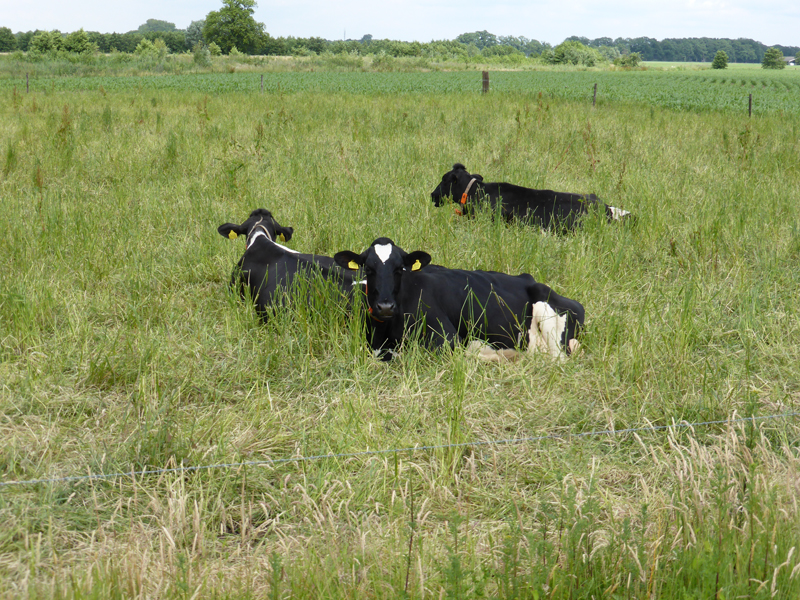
[122,349]
[694,90]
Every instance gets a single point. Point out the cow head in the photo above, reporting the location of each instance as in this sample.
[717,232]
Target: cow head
[456,184]
[384,264]
[259,223]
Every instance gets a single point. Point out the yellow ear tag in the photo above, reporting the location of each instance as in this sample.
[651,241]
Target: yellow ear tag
[353,265]
[281,237]
[416,266]
[232,235]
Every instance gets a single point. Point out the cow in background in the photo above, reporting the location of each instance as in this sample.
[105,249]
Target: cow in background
[268,268]
[558,211]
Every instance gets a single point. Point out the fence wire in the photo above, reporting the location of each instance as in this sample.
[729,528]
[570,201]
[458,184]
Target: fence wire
[407,450]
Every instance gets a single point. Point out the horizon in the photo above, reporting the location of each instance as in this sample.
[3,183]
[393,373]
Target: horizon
[771,23]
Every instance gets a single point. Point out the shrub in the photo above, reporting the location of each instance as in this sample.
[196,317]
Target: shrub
[773,59]
[47,42]
[202,56]
[720,60]
[629,60]
[214,49]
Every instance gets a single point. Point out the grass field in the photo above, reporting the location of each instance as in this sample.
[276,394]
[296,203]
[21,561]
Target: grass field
[121,348]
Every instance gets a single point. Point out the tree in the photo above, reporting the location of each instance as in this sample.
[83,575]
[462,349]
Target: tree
[720,60]
[156,25]
[8,41]
[79,43]
[479,39]
[773,59]
[234,25]
[47,42]
[194,33]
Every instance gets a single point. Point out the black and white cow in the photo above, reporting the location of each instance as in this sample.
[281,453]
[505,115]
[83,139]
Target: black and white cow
[560,211]
[452,305]
[267,268]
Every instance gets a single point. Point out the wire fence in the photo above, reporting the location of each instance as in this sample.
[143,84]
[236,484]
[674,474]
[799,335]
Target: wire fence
[406,450]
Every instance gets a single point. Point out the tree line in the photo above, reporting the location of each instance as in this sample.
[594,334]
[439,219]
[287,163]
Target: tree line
[233,29]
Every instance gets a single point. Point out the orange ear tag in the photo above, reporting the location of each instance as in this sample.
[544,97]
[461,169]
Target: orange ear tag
[458,211]
[464,198]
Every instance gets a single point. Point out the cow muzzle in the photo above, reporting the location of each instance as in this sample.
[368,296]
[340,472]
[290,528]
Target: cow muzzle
[385,310]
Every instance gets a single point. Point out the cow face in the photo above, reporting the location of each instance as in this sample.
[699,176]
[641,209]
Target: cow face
[259,223]
[384,264]
[455,184]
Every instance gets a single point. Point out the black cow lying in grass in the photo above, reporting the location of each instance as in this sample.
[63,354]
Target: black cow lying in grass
[452,305]
[559,211]
[268,269]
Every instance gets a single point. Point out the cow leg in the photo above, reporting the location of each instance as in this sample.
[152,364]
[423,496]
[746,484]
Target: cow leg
[485,352]
[547,327]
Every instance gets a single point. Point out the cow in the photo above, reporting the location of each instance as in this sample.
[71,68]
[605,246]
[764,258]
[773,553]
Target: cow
[268,269]
[556,211]
[405,291]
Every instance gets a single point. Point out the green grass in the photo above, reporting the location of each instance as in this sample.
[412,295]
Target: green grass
[683,88]
[121,348]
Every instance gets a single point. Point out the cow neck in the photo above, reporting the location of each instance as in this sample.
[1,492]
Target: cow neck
[466,191]
[254,234]
[463,201]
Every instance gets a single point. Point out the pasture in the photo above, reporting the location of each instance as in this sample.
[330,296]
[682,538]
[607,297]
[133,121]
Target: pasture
[121,348]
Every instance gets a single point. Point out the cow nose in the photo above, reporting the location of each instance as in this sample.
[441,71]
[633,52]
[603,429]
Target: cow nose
[386,309]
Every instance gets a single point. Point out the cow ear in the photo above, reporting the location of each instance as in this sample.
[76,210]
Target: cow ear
[478,177]
[414,261]
[284,233]
[229,230]
[349,260]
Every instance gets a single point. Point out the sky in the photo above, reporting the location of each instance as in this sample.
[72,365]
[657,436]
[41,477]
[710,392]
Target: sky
[768,21]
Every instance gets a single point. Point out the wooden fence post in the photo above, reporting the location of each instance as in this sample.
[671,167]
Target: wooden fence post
[485,81]
[750,106]
[594,97]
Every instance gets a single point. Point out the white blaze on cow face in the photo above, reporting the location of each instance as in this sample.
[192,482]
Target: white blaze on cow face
[384,251]
[617,214]
[547,330]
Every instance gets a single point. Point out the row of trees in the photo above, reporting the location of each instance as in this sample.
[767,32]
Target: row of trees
[234,26]
[689,49]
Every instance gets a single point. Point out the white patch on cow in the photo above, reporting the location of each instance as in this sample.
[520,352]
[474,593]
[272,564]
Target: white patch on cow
[617,214]
[384,251]
[256,235]
[485,352]
[547,329]
[362,282]
[285,248]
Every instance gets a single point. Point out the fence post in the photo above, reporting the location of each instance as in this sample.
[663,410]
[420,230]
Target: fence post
[27,84]
[750,106]
[262,83]
[485,81]
[594,97]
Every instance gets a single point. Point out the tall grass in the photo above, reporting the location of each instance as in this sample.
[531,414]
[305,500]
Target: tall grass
[121,348]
